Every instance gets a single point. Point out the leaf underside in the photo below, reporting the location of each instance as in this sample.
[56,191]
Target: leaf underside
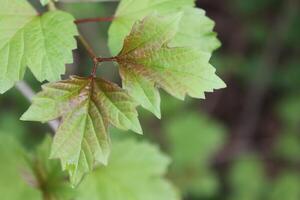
[87,107]
[43,43]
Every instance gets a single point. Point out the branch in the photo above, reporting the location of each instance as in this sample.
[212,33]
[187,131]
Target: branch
[261,83]
[28,93]
[110,59]
[86,45]
[98,19]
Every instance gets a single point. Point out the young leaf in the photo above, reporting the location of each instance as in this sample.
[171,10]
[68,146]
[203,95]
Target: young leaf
[87,106]
[146,62]
[43,43]
[134,172]
[196,30]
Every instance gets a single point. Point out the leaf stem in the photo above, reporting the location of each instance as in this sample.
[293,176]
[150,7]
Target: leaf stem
[97,19]
[98,60]
[92,54]
[89,49]
[110,59]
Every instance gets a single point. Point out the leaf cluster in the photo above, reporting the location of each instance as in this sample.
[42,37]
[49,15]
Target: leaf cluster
[156,44]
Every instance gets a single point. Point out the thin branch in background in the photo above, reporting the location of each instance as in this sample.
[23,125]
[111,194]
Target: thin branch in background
[88,48]
[28,93]
[260,84]
[98,19]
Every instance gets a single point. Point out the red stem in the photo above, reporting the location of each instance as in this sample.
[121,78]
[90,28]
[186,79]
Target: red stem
[99,19]
[98,60]
[111,59]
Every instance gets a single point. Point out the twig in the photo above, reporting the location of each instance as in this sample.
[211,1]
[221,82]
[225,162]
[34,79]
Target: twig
[86,45]
[28,93]
[98,19]
[111,59]
[96,60]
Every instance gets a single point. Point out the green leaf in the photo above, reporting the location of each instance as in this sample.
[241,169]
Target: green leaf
[247,178]
[286,186]
[12,185]
[43,43]
[130,11]
[287,146]
[75,1]
[191,155]
[45,2]
[47,173]
[289,109]
[195,28]
[87,107]
[134,172]
[146,62]
[206,137]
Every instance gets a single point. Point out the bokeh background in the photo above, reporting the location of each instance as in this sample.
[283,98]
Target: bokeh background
[242,142]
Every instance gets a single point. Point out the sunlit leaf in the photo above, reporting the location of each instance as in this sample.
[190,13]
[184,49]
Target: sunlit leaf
[196,30]
[43,43]
[87,107]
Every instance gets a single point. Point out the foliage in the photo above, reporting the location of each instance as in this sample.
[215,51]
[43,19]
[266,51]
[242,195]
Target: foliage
[46,175]
[12,185]
[286,186]
[87,106]
[191,169]
[190,33]
[208,158]
[150,58]
[247,178]
[146,63]
[135,172]
[43,43]
[161,49]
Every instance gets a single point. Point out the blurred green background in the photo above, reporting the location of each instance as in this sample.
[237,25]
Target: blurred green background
[242,142]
